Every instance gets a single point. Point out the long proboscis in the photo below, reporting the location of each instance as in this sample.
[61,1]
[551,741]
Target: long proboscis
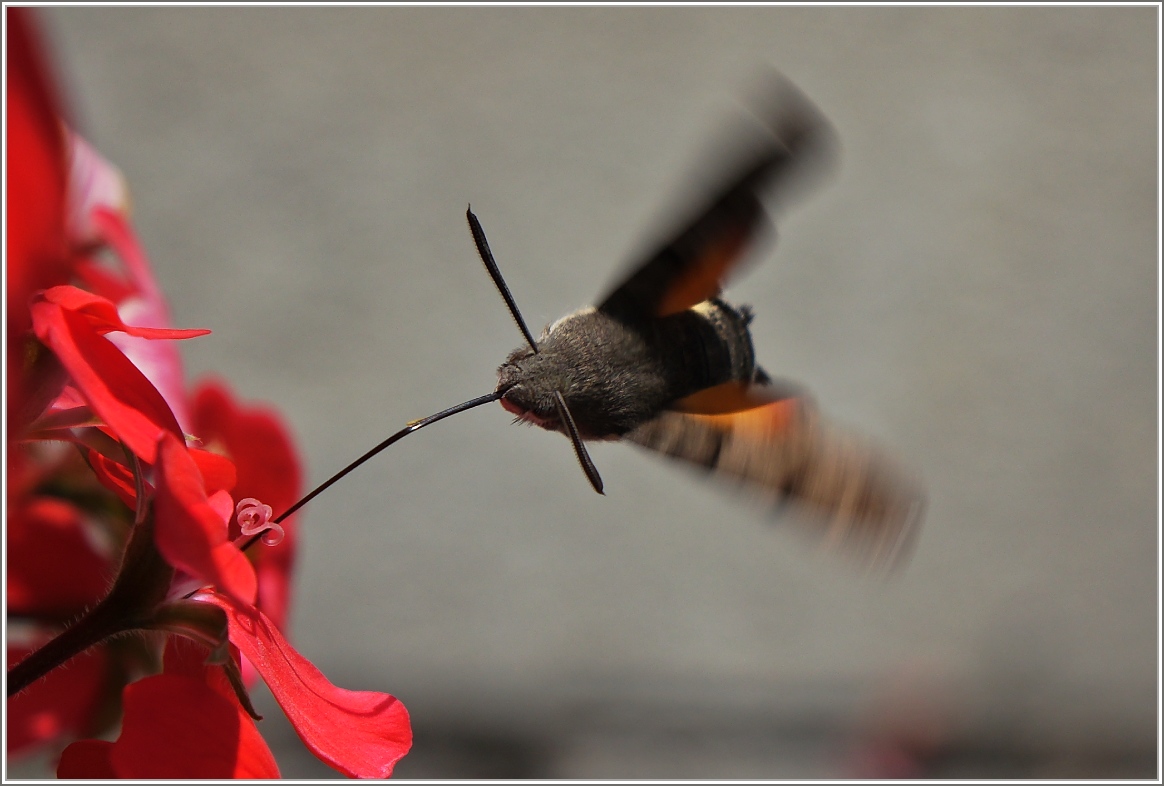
[572,432]
[415,425]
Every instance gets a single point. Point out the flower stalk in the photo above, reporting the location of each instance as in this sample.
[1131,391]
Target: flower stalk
[89,631]
[139,589]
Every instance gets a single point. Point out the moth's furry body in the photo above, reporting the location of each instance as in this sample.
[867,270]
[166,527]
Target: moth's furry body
[616,375]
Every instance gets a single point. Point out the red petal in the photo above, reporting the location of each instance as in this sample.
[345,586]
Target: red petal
[116,477]
[103,316]
[87,760]
[190,534]
[144,306]
[97,277]
[268,470]
[112,385]
[255,438]
[37,253]
[62,703]
[360,733]
[184,657]
[187,723]
[218,472]
[179,727]
[117,231]
[53,569]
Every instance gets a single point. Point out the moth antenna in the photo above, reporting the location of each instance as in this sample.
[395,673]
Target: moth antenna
[415,425]
[495,274]
[579,448]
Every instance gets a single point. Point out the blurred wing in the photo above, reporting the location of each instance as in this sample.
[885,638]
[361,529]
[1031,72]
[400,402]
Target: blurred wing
[694,265]
[853,494]
[738,397]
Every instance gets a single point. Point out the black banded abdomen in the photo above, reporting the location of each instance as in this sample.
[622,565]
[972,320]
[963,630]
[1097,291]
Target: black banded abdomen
[706,346]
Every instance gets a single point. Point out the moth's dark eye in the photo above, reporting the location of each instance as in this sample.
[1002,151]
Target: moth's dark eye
[507,377]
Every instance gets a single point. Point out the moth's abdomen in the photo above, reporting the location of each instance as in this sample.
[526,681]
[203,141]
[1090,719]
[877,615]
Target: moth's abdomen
[706,346]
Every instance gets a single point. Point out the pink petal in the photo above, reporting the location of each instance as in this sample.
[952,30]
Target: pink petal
[222,505]
[360,733]
[94,184]
[145,306]
[160,361]
[191,534]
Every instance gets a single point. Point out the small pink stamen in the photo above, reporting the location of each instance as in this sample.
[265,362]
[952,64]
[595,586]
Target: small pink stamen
[255,517]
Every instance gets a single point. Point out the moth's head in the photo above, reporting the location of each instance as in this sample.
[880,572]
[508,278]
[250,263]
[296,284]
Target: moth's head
[527,380]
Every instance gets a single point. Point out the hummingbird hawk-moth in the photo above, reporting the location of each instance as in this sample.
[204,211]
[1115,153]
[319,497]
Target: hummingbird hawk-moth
[663,362]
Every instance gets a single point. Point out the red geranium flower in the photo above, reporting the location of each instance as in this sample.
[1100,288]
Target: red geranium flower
[116,524]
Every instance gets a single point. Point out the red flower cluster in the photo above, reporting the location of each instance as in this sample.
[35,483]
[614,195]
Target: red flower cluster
[118,523]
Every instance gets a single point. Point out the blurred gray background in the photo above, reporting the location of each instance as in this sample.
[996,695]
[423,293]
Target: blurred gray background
[976,285]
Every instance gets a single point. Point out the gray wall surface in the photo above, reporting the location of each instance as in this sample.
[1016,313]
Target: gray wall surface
[976,285]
